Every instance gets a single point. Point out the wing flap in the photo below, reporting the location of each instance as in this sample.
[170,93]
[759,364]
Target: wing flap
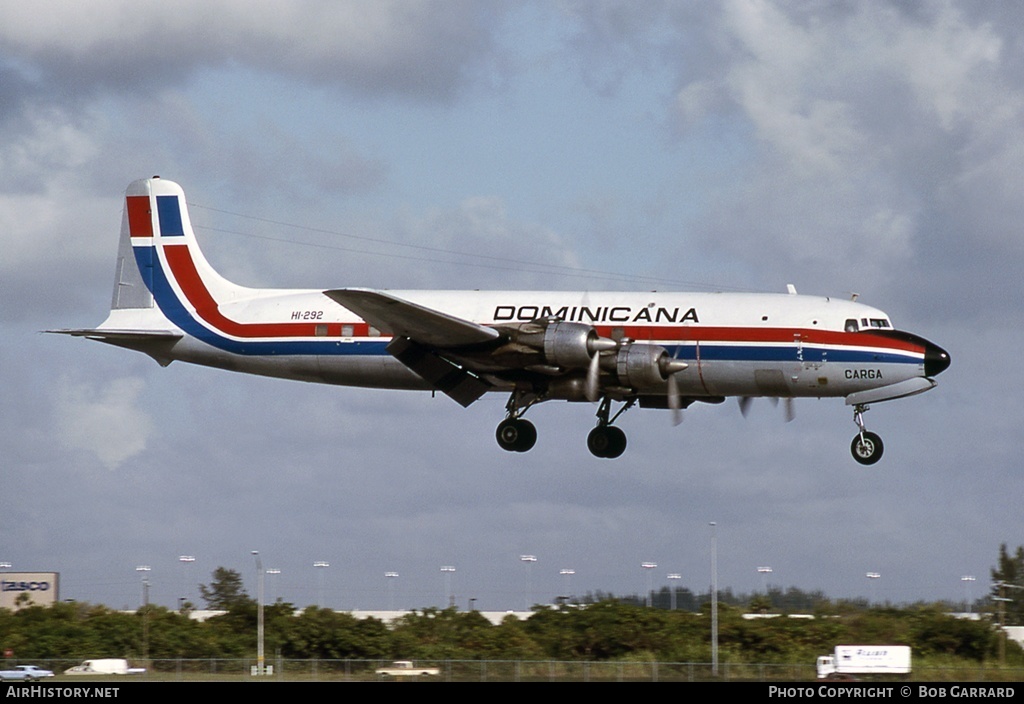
[402,318]
[454,381]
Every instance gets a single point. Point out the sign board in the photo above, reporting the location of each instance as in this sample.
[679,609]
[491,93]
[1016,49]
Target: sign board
[19,589]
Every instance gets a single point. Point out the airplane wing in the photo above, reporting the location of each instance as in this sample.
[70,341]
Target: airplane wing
[421,337]
[402,318]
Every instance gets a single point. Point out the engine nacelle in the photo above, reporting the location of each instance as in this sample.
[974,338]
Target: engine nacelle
[566,345]
[645,367]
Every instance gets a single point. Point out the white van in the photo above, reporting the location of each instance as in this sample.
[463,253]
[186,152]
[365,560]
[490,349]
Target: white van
[104,666]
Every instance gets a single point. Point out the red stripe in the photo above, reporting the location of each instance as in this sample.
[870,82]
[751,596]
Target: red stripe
[695,333]
[140,220]
[183,269]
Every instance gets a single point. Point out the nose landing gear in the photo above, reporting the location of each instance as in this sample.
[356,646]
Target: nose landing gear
[866,447]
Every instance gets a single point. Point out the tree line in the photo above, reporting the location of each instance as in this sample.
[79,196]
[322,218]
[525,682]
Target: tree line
[601,627]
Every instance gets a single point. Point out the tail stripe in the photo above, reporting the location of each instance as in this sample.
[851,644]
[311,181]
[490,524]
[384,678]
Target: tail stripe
[140,222]
[170,216]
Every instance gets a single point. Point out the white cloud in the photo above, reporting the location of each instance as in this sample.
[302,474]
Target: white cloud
[424,47]
[104,420]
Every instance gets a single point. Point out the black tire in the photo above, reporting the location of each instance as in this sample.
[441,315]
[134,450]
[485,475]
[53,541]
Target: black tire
[516,435]
[869,450]
[606,441]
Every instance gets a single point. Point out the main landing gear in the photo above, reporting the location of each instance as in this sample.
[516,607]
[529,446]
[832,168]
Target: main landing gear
[606,440]
[866,446]
[515,434]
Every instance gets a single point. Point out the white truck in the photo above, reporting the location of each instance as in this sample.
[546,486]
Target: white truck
[855,660]
[105,666]
[405,668]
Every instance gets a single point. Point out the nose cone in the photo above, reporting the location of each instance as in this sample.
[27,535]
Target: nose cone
[936,360]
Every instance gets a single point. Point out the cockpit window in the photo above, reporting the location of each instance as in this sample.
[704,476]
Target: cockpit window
[851,324]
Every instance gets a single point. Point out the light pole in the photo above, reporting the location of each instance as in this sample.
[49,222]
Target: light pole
[448,571]
[714,598]
[648,567]
[529,560]
[273,572]
[320,566]
[967,579]
[567,573]
[872,577]
[764,572]
[673,576]
[145,569]
[391,577]
[185,561]
[259,613]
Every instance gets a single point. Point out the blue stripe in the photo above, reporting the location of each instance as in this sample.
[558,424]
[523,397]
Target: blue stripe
[170,216]
[167,299]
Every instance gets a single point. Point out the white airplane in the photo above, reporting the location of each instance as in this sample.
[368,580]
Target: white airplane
[652,349]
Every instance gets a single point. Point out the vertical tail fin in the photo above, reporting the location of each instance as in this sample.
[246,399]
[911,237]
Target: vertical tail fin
[159,259]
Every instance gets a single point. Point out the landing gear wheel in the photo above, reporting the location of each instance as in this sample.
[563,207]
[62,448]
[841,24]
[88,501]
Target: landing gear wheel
[867,449]
[516,435]
[606,441]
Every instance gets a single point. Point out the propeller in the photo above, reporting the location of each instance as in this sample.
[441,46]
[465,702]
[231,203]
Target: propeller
[789,408]
[669,367]
[596,345]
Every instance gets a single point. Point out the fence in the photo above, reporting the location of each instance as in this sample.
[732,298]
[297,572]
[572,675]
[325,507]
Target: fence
[317,670]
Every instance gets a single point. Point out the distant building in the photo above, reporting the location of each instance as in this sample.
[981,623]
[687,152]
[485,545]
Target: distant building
[20,589]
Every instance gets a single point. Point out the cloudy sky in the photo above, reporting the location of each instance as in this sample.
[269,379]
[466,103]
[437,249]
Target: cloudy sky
[867,147]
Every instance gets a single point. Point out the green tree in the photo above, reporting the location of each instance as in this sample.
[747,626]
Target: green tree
[1008,583]
[225,592]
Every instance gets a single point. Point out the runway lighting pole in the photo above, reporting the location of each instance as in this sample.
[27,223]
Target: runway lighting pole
[259,613]
[448,570]
[648,567]
[764,572]
[321,565]
[714,598]
[185,561]
[530,560]
[967,579]
[873,576]
[144,569]
[273,572]
[673,576]
[567,573]
[391,577]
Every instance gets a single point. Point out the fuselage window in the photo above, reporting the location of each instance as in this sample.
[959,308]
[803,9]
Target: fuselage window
[879,323]
[851,325]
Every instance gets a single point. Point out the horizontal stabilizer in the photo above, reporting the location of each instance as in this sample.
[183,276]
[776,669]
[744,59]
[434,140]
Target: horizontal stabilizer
[401,318]
[111,335]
